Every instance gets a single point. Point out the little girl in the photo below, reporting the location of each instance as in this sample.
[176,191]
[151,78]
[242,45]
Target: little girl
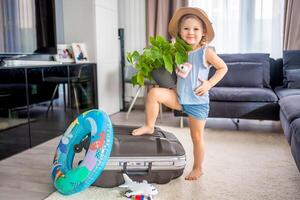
[193,26]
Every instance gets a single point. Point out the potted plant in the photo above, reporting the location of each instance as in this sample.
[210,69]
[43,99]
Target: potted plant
[158,60]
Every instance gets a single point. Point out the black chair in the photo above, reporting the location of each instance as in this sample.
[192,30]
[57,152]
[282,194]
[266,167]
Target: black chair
[77,78]
[129,72]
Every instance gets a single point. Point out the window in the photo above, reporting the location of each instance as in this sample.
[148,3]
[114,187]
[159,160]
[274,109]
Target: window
[243,26]
[17,26]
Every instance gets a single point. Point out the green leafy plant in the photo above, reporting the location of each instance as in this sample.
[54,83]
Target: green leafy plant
[160,54]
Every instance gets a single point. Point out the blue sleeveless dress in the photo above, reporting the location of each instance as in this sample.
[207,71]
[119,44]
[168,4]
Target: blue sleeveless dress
[192,104]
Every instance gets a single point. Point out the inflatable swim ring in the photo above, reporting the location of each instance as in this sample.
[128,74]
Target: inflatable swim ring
[68,180]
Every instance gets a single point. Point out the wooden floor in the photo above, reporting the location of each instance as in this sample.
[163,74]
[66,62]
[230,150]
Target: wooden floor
[27,174]
[43,128]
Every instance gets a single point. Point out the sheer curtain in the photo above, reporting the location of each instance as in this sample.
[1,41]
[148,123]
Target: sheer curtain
[159,13]
[17,25]
[245,26]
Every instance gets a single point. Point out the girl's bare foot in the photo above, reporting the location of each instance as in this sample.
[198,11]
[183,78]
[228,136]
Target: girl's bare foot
[194,175]
[143,130]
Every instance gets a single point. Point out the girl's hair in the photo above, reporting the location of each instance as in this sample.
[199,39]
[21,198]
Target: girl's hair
[189,16]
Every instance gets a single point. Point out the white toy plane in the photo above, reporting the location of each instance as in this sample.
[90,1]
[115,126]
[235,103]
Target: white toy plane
[136,188]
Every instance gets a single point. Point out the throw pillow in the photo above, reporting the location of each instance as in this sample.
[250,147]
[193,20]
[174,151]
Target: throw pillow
[243,74]
[291,61]
[262,58]
[293,78]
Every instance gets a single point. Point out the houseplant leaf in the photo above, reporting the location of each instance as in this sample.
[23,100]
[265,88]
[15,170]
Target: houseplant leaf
[134,80]
[185,45]
[140,78]
[168,62]
[179,58]
[161,54]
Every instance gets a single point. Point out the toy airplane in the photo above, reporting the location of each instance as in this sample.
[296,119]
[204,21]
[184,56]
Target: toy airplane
[137,188]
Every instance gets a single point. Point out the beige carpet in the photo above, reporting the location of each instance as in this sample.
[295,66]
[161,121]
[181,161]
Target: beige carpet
[238,165]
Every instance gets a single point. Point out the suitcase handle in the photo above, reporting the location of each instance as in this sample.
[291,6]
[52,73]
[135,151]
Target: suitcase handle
[136,172]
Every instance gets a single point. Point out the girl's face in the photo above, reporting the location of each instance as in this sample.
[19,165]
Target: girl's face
[191,31]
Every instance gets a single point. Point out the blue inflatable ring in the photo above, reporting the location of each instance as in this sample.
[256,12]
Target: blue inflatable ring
[69,181]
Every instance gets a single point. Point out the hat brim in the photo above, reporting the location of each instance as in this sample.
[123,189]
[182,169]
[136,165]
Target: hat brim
[179,13]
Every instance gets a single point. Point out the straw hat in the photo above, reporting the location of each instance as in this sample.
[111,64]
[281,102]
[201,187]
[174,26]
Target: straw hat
[179,13]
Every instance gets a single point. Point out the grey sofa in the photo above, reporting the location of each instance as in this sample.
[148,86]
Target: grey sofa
[246,92]
[289,98]
[259,87]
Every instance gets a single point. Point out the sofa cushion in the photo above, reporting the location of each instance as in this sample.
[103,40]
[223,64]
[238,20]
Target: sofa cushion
[290,107]
[295,149]
[295,129]
[293,78]
[284,92]
[243,74]
[291,68]
[295,141]
[239,94]
[260,58]
[285,126]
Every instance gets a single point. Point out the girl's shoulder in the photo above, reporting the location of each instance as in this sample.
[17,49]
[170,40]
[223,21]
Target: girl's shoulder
[209,48]
[208,51]
[203,49]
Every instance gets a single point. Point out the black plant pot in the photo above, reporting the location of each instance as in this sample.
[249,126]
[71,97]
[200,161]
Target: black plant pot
[163,78]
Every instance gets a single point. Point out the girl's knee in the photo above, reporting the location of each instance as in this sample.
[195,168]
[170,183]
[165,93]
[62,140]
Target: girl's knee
[154,93]
[197,137]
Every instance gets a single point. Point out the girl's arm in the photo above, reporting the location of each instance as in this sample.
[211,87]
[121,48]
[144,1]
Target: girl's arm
[221,68]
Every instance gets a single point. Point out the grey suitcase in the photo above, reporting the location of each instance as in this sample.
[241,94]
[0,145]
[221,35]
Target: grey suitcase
[157,158]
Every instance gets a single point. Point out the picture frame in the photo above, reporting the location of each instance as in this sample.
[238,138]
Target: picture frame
[65,53]
[80,52]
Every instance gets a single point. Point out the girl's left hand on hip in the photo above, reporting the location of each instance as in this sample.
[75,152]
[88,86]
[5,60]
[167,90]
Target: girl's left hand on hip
[203,88]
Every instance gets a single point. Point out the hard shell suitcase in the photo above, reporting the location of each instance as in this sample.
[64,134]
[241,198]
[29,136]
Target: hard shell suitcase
[157,158]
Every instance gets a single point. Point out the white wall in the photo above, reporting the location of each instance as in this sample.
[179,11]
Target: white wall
[79,24]
[95,22]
